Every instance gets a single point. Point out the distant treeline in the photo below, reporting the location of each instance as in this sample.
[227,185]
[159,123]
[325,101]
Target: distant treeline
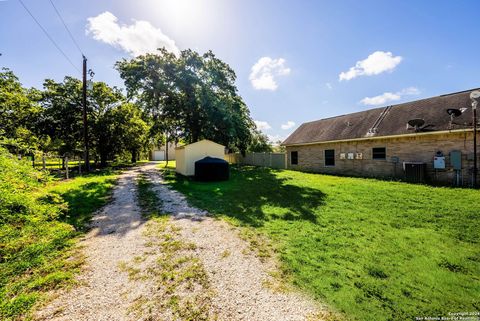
[176,98]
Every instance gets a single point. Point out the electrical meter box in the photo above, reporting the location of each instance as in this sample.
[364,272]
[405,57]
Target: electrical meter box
[456,159]
[439,162]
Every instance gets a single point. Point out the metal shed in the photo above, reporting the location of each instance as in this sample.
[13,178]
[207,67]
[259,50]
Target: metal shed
[187,155]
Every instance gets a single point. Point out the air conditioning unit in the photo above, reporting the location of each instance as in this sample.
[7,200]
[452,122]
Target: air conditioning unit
[414,171]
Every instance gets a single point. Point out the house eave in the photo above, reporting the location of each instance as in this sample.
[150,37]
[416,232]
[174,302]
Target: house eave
[441,132]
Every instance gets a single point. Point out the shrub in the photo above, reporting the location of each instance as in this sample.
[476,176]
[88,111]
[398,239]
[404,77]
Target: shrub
[30,237]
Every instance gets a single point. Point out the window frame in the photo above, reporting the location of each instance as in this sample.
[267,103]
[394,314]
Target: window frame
[332,157]
[296,157]
[377,158]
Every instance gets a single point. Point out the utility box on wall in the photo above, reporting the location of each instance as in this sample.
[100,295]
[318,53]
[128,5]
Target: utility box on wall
[456,159]
[439,162]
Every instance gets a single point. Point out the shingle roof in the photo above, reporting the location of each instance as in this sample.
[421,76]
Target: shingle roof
[387,121]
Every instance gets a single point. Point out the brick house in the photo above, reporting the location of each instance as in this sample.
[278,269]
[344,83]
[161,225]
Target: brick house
[418,141]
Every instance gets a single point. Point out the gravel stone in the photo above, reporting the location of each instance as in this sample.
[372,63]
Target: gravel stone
[106,292]
[238,278]
[117,236]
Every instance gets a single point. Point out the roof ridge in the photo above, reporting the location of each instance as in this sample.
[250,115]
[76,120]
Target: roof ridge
[338,116]
[459,92]
[393,105]
[389,120]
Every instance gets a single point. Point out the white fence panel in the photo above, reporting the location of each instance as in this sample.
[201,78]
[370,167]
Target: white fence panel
[273,160]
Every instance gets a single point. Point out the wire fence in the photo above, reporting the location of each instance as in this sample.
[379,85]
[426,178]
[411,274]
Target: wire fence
[60,165]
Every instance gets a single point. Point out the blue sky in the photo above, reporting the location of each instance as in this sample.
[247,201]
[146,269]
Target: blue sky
[295,61]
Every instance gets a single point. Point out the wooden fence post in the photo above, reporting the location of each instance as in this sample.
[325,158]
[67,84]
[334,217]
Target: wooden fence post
[44,165]
[66,167]
[79,166]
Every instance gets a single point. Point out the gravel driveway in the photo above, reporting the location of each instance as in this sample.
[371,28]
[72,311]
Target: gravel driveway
[236,276]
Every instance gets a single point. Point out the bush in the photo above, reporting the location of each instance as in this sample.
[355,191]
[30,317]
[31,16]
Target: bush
[30,237]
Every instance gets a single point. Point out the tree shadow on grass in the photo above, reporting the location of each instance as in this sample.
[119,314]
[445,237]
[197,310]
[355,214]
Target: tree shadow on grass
[80,203]
[253,195]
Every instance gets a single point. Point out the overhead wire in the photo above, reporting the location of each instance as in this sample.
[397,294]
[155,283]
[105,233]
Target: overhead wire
[48,36]
[66,27]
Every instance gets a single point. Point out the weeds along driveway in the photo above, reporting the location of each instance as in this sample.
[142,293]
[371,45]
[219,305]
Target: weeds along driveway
[182,266]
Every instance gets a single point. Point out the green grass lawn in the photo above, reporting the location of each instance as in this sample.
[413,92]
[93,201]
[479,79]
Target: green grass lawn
[38,234]
[371,249]
[171,164]
[83,195]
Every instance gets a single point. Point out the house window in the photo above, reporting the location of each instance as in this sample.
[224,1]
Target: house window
[329,157]
[293,158]
[379,153]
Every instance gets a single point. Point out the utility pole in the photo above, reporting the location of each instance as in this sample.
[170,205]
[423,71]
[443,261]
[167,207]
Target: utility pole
[475,97]
[85,124]
[475,168]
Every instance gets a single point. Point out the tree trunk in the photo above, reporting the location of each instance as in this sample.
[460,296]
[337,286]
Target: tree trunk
[103,160]
[134,156]
[166,150]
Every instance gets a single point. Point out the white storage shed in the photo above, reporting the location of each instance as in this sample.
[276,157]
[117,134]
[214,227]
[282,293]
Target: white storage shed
[187,155]
[160,153]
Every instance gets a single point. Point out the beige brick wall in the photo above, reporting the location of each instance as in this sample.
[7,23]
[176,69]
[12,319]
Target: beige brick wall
[421,148]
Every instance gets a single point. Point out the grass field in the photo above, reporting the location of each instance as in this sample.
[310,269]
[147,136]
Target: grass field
[372,250]
[40,223]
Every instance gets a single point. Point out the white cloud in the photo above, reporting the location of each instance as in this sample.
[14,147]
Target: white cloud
[138,38]
[275,138]
[288,125]
[388,96]
[376,63]
[265,71]
[380,99]
[410,91]
[262,125]
[329,86]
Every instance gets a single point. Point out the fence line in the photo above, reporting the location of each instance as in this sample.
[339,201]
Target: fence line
[273,160]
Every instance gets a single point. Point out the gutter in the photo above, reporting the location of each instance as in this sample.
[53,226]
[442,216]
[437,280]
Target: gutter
[382,137]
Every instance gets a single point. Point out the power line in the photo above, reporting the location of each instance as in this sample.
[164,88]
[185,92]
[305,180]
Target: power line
[66,28]
[49,37]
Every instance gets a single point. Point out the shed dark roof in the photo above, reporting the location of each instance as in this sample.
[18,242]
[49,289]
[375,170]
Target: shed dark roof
[387,121]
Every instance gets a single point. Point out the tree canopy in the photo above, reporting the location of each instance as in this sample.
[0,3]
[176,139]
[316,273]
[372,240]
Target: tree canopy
[168,98]
[190,96]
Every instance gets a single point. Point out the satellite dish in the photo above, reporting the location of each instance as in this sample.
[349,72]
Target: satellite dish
[475,95]
[416,123]
[454,112]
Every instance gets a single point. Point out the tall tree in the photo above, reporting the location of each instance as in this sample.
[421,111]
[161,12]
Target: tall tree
[18,114]
[130,131]
[260,143]
[61,117]
[102,99]
[190,97]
